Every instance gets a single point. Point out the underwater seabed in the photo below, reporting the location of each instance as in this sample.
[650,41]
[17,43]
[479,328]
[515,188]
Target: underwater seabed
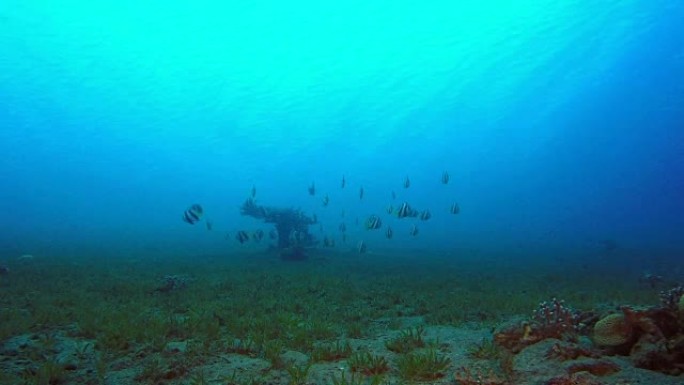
[338,318]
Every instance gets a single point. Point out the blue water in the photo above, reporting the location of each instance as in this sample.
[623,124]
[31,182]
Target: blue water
[560,123]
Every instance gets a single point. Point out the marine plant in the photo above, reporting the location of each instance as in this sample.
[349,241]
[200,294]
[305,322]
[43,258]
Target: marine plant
[368,364]
[331,352]
[199,378]
[354,330]
[245,347]
[272,351]
[425,366]
[49,372]
[298,373]
[152,371]
[355,380]
[408,340]
[486,349]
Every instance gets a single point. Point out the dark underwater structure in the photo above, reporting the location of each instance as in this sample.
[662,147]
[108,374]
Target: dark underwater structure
[292,226]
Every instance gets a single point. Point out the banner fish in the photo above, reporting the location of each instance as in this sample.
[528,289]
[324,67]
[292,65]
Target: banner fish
[445,177]
[389,234]
[425,215]
[414,230]
[361,247]
[407,182]
[193,214]
[455,208]
[373,222]
[242,236]
[312,189]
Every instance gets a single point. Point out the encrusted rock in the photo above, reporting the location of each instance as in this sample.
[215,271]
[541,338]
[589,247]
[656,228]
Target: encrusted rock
[613,330]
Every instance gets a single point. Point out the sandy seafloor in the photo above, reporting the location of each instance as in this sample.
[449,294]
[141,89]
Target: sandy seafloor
[253,319]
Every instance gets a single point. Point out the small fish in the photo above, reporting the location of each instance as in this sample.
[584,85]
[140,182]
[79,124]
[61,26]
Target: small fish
[344,182]
[193,214]
[394,195]
[326,200]
[312,189]
[242,236]
[407,182]
[404,210]
[445,177]
[253,191]
[4,270]
[389,209]
[455,208]
[373,222]
[361,247]
[328,242]
[258,235]
[414,230]
[342,227]
[389,233]
[425,215]
[210,225]
[361,193]
[273,234]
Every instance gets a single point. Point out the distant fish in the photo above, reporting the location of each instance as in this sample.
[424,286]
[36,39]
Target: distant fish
[651,279]
[253,192]
[389,209]
[445,177]
[405,210]
[344,238]
[326,200]
[344,182]
[258,235]
[242,236]
[455,208]
[425,215]
[4,270]
[193,214]
[342,227]
[394,195]
[361,193]
[328,242]
[414,230]
[373,222]
[210,225]
[407,182]
[361,247]
[312,189]
[389,233]
[273,234]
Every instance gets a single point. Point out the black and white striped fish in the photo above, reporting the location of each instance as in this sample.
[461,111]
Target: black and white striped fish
[193,214]
[373,222]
